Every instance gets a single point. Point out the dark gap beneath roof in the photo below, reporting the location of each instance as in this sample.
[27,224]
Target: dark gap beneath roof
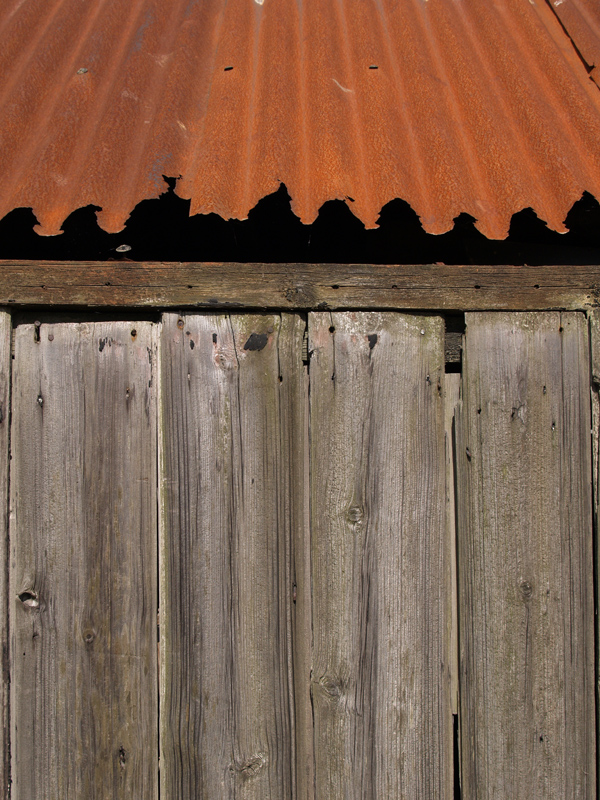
[162,230]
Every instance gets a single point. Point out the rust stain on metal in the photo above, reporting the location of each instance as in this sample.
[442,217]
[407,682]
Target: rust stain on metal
[477,107]
[581,22]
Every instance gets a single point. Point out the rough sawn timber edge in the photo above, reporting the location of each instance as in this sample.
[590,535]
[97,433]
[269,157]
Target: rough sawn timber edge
[5,390]
[294,286]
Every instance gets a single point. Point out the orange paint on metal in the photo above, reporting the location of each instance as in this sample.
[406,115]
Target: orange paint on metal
[452,105]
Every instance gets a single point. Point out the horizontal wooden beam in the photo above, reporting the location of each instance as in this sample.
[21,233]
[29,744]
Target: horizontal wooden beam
[298,286]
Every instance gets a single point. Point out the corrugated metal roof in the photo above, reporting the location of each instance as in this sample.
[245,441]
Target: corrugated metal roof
[581,21]
[455,106]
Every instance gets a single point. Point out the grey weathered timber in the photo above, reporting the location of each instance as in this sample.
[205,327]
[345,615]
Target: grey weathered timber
[452,394]
[295,403]
[83,573]
[298,286]
[594,321]
[381,661]
[232,520]
[596,495]
[5,380]
[525,559]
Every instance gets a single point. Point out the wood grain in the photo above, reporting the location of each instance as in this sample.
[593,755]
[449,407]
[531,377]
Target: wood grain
[381,662]
[452,394]
[5,388]
[594,323]
[83,578]
[295,420]
[232,517]
[437,287]
[525,558]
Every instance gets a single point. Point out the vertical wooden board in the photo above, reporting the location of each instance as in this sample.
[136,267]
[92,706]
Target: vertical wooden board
[381,671]
[295,405]
[5,381]
[83,573]
[525,558]
[594,325]
[596,496]
[232,510]
[452,394]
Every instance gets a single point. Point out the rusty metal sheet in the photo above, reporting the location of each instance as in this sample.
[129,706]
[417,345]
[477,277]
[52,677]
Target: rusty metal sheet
[452,105]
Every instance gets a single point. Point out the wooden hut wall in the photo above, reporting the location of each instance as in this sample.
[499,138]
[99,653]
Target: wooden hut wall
[274,555]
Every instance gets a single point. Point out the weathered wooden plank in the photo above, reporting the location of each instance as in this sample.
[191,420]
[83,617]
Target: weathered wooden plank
[525,558]
[381,671]
[233,430]
[298,286]
[452,394]
[594,323]
[295,405]
[83,578]
[596,495]
[5,381]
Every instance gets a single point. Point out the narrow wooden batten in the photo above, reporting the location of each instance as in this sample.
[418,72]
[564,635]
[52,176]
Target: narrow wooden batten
[292,286]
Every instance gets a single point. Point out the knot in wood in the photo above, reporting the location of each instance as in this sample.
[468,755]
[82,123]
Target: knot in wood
[291,293]
[224,358]
[355,515]
[526,590]
[331,686]
[518,412]
[300,295]
[89,635]
[29,598]
[252,766]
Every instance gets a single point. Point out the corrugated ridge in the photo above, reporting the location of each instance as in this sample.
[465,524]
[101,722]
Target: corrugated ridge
[466,107]
[581,21]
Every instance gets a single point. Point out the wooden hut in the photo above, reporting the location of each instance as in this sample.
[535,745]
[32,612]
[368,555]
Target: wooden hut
[295,526]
